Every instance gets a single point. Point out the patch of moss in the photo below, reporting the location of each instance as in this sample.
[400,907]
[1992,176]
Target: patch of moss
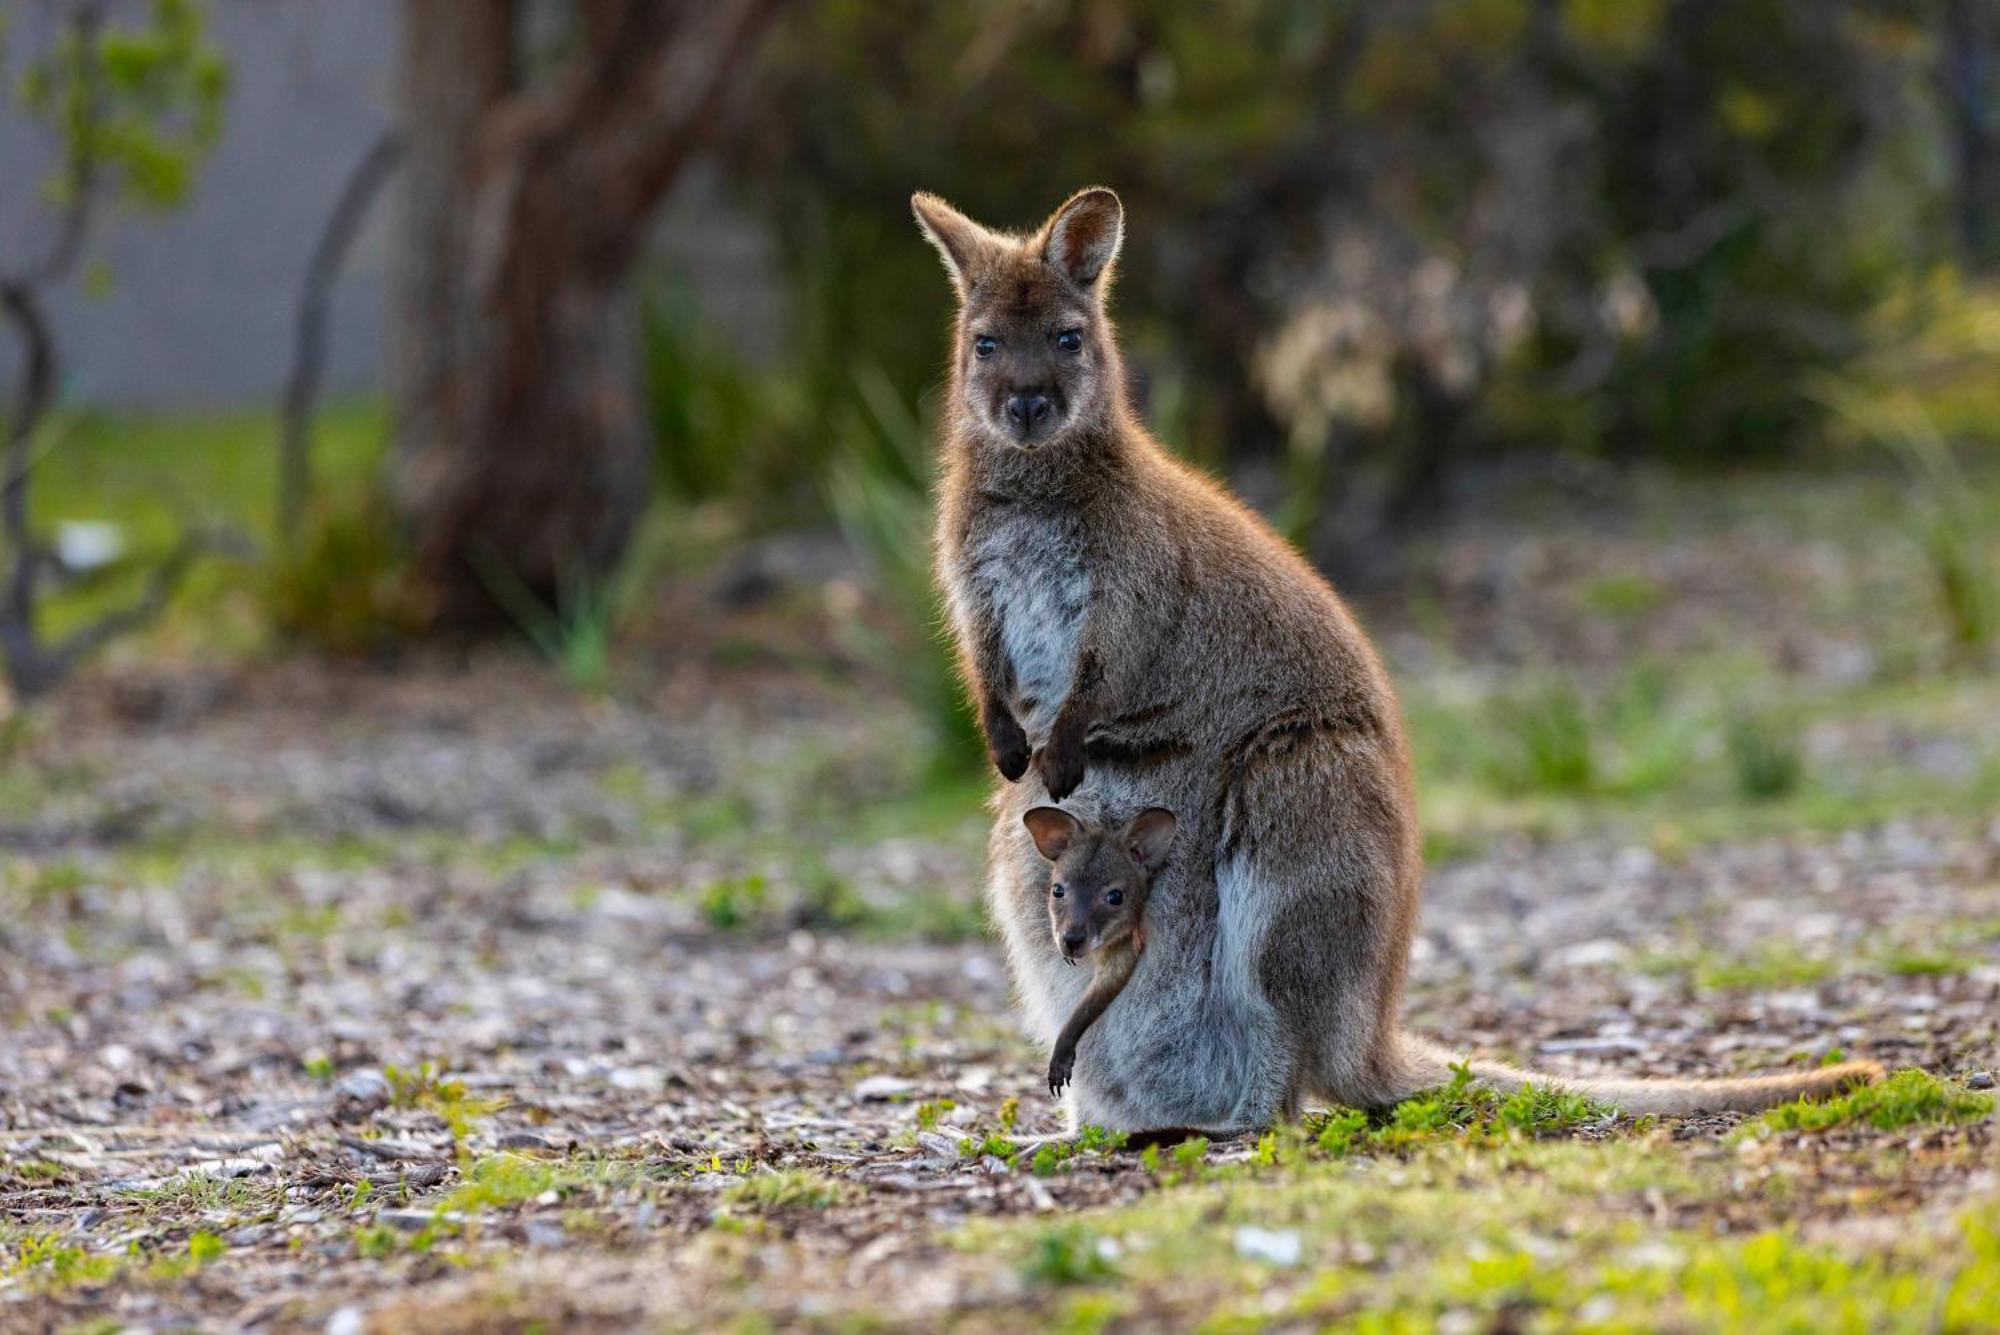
[1907,1098]
[1462,1109]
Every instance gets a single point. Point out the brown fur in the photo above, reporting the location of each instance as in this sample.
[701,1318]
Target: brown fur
[1135,635]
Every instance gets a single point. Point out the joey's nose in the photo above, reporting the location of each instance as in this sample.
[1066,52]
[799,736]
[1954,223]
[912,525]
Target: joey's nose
[1028,411]
[1073,939]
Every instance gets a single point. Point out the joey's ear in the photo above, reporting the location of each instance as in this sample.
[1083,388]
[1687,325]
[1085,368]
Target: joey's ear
[1148,837]
[1053,830]
[964,244]
[1084,236]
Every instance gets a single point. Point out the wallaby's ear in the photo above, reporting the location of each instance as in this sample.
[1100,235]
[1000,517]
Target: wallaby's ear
[965,245]
[1148,837]
[1053,830]
[1084,236]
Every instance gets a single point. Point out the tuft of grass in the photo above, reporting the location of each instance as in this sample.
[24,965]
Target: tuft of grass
[1622,595]
[927,1114]
[199,1193]
[1778,965]
[785,1189]
[424,1088]
[202,1248]
[1546,736]
[999,1146]
[499,1180]
[374,1242]
[1070,1254]
[1907,1098]
[735,902]
[1765,753]
[341,583]
[1924,964]
[45,1261]
[1946,528]
[1461,1109]
[1091,1139]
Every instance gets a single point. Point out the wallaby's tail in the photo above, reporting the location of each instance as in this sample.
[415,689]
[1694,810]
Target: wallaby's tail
[1425,1066]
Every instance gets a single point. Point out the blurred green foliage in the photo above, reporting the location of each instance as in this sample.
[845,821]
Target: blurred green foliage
[1373,239]
[136,105]
[339,583]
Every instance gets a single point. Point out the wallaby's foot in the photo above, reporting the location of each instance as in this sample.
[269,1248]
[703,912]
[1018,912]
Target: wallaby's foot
[1061,760]
[1006,743]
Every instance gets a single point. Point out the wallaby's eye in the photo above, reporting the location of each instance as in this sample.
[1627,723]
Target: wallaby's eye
[985,345]
[1070,340]
[1115,897]
[1056,890]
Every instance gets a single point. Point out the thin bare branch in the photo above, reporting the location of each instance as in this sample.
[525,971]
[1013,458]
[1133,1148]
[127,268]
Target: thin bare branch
[80,167]
[302,386]
[161,584]
[21,304]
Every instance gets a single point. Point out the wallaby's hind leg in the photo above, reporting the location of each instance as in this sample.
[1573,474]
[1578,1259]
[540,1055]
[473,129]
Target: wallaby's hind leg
[1320,868]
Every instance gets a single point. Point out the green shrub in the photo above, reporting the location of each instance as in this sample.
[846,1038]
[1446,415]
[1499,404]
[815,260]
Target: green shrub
[878,491]
[1545,741]
[341,584]
[1070,1254]
[1764,751]
[1944,527]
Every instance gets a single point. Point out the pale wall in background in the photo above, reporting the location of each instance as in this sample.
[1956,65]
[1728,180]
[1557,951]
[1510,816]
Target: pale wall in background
[203,300]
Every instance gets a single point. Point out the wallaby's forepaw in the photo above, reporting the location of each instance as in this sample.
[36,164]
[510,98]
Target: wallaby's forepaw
[1006,743]
[1060,762]
[1060,1067]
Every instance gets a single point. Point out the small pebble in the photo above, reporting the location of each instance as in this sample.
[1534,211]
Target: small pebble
[881,1088]
[359,1095]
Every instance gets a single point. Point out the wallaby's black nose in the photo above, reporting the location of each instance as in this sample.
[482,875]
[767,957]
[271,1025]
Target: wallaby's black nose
[1028,410]
[1073,939]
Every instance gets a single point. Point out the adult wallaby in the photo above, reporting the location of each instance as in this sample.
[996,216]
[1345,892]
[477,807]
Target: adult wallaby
[1123,618]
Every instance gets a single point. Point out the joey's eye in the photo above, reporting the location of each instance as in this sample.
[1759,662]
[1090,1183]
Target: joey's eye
[1070,340]
[985,345]
[1056,890]
[1115,897]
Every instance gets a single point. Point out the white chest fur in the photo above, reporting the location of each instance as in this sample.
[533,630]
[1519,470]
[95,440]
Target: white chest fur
[1029,575]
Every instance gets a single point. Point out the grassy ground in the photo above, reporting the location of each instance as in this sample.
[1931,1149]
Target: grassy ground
[442,995]
[155,476]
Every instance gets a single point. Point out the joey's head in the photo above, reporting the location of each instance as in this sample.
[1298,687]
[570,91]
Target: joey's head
[1035,361]
[1099,878]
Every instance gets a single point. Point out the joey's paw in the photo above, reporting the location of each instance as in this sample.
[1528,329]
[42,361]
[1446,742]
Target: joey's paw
[1061,763]
[1007,744]
[1060,1067]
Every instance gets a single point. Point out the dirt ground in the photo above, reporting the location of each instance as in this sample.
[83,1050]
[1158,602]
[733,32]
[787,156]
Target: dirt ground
[442,997]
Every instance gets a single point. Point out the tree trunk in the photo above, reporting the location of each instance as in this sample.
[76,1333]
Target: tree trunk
[521,460]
